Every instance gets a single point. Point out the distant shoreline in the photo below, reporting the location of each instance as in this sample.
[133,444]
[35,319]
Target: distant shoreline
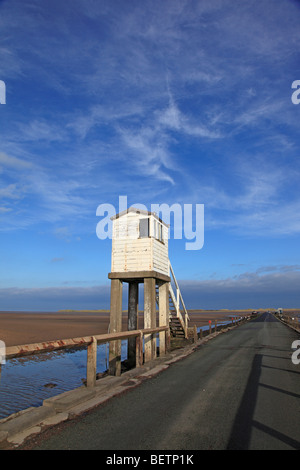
[191,310]
[25,327]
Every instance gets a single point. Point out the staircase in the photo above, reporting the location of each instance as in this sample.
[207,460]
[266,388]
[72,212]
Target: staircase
[177,329]
[178,318]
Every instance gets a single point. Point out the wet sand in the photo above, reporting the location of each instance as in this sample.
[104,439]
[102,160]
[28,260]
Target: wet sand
[18,328]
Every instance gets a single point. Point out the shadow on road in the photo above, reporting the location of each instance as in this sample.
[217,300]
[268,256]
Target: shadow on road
[241,430]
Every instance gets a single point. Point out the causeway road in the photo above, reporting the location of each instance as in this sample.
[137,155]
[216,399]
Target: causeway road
[238,391]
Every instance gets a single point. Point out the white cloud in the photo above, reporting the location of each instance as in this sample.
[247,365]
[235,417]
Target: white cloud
[278,288]
[9,192]
[248,290]
[172,118]
[55,298]
[8,161]
[40,130]
[5,209]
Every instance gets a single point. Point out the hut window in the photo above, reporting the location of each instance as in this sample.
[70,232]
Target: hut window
[144,228]
[155,231]
[160,232]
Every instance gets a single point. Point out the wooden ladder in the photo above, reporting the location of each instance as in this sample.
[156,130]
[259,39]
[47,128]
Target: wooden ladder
[178,318]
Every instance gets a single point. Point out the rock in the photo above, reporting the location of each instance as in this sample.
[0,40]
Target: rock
[50,385]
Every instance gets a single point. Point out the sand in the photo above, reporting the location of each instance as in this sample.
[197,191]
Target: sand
[18,328]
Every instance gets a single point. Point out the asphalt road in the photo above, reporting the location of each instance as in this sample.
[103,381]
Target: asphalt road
[238,391]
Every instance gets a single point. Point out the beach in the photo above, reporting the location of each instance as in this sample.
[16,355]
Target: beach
[17,328]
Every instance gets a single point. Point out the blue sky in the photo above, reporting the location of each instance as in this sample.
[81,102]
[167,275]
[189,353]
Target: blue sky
[183,102]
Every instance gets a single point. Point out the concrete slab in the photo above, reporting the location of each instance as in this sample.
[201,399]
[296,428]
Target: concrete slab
[15,415]
[108,382]
[22,421]
[3,435]
[69,399]
[19,438]
[56,419]
[154,371]
[87,405]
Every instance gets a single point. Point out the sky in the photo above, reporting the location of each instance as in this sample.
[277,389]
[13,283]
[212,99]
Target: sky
[164,102]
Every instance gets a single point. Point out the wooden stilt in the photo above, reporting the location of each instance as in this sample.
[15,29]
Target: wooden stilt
[115,326]
[133,290]
[149,317]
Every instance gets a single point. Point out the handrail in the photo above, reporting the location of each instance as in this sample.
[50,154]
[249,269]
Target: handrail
[293,321]
[176,301]
[26,349]
[91,343]
[214,325]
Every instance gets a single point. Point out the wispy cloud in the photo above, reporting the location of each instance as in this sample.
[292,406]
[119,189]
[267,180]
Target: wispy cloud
[37,130]
[8,161]
[5,209]
[175,101]
[172,118]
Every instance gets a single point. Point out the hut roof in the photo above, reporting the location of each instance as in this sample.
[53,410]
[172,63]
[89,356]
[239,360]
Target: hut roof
[138,211]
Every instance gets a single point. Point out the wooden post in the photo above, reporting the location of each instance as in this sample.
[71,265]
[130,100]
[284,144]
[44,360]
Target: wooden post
[133,291]
[210,327]
[195,334]
[91,368]
[215,326]
[163,316]
[201,333]
[149,317]
[115,326]
[139,350]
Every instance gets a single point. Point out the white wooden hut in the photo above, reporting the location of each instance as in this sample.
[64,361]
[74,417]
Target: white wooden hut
[140,255]
[139,243]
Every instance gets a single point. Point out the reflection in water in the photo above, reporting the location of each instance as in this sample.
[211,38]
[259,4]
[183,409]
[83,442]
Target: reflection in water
[206,327]
[28,380]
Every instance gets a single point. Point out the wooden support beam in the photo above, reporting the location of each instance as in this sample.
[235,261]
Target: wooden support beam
[164,337]
[91,368]
[149,317]
[115,326]
[195,334]
[138,276]
[133,292]
[139,350]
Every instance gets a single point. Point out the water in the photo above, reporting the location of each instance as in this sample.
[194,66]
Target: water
[28,380]
[206,327]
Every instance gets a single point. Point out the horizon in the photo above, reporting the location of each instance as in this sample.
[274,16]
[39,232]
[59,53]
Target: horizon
[181,102]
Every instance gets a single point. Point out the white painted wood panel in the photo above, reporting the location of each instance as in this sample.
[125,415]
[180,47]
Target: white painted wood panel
[132,253]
